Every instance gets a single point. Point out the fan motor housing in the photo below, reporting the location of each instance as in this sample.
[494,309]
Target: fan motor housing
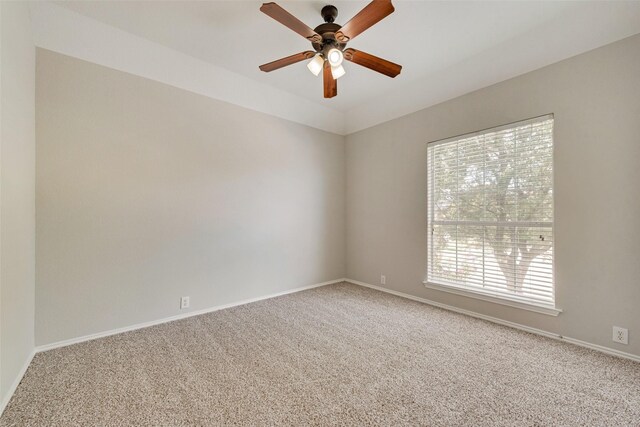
[328,32]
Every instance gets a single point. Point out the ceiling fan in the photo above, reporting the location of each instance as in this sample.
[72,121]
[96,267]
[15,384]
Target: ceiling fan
[329,41]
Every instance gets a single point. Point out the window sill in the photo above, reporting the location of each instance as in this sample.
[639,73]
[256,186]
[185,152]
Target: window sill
[550,311]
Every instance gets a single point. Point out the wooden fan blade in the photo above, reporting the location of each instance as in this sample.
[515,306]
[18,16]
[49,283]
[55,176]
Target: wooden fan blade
[290,21]
[330,84]
[374,63]
[372,13]
[283,62]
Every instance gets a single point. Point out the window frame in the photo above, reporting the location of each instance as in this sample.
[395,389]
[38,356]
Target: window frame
[548,309]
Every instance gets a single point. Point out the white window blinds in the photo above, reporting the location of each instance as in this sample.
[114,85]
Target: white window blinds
[490,212]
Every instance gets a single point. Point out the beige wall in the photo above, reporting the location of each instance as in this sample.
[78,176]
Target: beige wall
[17,200]
[596,101]
[146,193]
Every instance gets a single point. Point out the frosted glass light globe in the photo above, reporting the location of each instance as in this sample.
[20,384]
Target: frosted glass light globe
[316,64]
[337,72]
[335,57]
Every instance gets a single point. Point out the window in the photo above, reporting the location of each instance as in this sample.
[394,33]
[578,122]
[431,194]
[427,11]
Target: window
[490,214]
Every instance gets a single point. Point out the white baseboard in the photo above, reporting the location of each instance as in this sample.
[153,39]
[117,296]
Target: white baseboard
[16,382]
[103,334]
[536,331]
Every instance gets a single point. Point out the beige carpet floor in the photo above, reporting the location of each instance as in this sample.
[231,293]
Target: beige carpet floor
[336,355]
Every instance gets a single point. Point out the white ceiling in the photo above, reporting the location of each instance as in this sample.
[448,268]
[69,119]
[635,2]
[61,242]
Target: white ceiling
[447,48]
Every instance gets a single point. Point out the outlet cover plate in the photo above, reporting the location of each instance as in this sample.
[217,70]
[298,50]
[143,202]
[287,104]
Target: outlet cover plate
[184,302]
[620,335]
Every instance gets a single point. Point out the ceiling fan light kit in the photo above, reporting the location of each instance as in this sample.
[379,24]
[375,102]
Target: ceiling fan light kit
[329,41]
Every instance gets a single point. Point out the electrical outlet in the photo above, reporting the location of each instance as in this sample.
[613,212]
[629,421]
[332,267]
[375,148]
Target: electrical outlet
[620,335]
[383,280]
[184,303]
